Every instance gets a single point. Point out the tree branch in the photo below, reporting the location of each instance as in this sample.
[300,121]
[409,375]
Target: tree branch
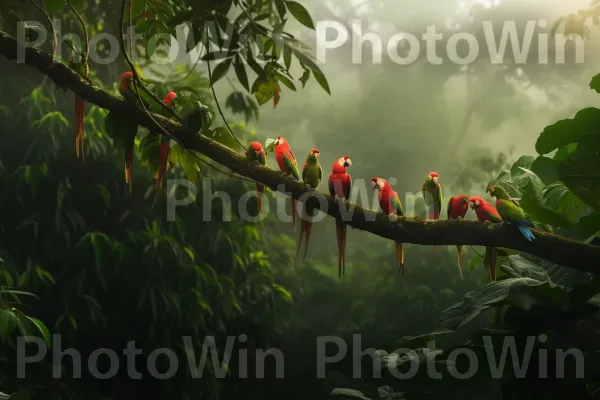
[547,246]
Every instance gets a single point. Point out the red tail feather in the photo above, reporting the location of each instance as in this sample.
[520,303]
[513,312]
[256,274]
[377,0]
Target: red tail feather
[260,190]
[294,214]
[308,230]
[305,228]
[79,114]
[343,229]
[460,268]
[400,259]
[162,164]
[129,168]
[490,255]
[338,231]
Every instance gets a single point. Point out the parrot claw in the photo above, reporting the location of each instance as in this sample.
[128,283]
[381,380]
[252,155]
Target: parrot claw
[486,222]
[459,218]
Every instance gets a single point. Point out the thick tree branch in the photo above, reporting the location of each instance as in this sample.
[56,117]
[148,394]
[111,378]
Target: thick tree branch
[550,247]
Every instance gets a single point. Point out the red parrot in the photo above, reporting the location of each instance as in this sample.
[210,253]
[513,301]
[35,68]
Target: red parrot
[457,209]
[164,146]
[82,69]
[256,153]
[288,165]
[340,185]
[390,203]
[487,213]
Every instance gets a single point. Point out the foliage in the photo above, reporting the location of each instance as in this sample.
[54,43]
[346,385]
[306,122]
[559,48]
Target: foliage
[539,308]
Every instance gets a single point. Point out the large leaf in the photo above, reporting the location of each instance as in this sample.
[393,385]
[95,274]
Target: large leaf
[221,70]
[521,292]
[519,267]
[589,224]
[186,160]
[558,197]
[54,6]
[532,200]
[580,172]
[546,168]
[584,125]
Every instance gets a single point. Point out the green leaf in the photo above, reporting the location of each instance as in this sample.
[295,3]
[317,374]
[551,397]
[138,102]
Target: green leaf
[521,292]
[320,78]
[595,83]
[584,126]
[223,136]
[580,172]
[240,72]
[54,6]
[589,224]
[546,168]
[300,13]
[43,329]
[280,5]
[563,152]
[558,197]
[8,322]
[264,91]
[79,5]
[519,167]
[220,70]
[20,395]
[187,161]
[348,394]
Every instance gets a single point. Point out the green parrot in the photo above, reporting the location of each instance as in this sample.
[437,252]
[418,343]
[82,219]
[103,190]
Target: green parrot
[510,211]
[256,153]
[311,175]
[432,193]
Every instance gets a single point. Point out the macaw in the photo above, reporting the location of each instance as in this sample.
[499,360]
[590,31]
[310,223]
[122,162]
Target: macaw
[288,165]
[511,212]
[311,175]
[457,209]
[486,213]
[165,142]
[432,193]
[82,70]
[127,90]
[256,153]
[390,203]
[340,186]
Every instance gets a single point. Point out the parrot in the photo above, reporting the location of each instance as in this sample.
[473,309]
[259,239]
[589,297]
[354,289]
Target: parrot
[432,193]
[486,213]
[311,175]
[511,212]
[165,141]
[390,203]
[340,185]
[288,165]
[256,153]
[127,90]
[457,209]
[82,69]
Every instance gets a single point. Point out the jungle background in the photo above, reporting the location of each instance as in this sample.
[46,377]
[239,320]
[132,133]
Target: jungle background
[107,270]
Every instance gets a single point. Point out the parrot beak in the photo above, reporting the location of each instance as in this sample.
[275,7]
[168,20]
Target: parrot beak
[347,162]
[471,205]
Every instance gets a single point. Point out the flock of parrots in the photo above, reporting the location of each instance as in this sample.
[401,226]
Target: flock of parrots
[339,182]
[340,185]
